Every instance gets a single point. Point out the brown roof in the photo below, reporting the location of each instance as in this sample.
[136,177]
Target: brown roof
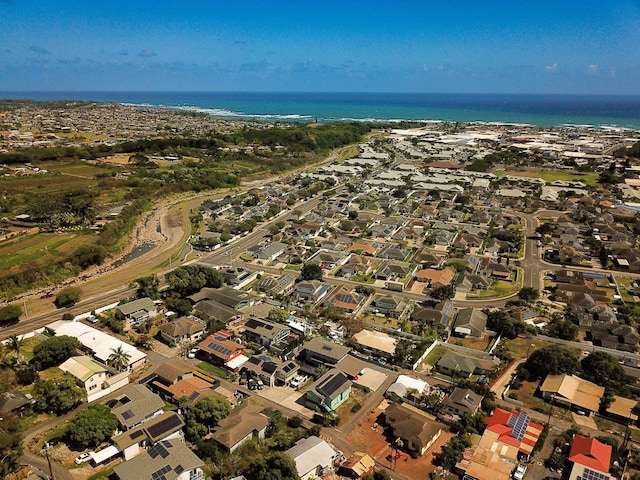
[181,327]
[574,389]
[411,424]
[244,420]
[622,407]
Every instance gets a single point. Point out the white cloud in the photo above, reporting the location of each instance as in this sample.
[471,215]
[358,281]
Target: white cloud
[593,69]
[551,68]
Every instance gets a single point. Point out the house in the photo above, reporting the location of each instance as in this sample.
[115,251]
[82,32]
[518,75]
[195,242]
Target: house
[319,351]
[271,252]
[15,401]
[417,430]
[622,410]
[358,466]
[365,247]
[467,282]
[210,309]
[312,456]
[438,316]
[403,385]
[356,265]
[184,329]
[516,429]
[283,285]
[166,426]
[96,380]
[435,278]
[345,299]
[572,391]
[166,460]
[389,270]
[488,457]
[265,332]
[463,401]
[329,392]
[100,344]
[137,404]
[227,296]
[217,349]
[470,322]
[389,305]
[138,311]
[617,337]
[272,371]
[312,290]
[456,365]
[243,423]
[376,343]
[591,459]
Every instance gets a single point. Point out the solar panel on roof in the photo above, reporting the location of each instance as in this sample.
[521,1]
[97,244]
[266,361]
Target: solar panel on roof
[327,348]
[178,469]
[592,475]
[519,424]
[164,426]
[136,434]
[127,414]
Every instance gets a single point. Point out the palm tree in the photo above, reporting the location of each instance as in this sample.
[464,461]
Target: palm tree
[119,358]
[15,344]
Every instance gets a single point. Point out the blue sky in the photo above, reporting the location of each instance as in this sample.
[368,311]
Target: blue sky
[490,46]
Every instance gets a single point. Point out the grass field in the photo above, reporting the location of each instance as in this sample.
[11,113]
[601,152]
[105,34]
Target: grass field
[40,247]
[588,178]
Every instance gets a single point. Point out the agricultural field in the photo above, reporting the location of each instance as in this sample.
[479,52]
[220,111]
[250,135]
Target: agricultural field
[590,179]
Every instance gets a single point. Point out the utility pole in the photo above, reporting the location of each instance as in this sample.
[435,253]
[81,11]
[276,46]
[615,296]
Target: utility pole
[46,454]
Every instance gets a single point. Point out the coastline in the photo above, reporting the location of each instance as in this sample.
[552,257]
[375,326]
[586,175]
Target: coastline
[618,112]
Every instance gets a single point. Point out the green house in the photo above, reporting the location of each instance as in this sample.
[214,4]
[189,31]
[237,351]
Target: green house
[329,392]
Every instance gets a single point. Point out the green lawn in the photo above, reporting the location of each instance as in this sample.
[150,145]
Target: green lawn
[214,370]
[435,355]
[549,176]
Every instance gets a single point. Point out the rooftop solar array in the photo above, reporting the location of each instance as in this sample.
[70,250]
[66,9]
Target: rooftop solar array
[136,434]
[164,426]
[332,384]
[288,367]
[160,474]
[158,450]
[219,348]
[519,424]
[589,474]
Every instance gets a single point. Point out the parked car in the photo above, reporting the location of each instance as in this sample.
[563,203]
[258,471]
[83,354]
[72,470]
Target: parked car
[297,381]
[83,457]
[192,353]
[519,472]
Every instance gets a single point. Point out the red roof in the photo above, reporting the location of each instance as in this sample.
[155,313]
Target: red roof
[502,422]
[590,453]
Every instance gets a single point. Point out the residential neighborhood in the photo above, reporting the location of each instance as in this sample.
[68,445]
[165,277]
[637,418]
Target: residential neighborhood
[441,304]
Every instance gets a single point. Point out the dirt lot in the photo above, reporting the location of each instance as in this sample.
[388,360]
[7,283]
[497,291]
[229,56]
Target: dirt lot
[368,436]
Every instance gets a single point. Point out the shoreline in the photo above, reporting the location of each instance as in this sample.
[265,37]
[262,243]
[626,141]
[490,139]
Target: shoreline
[558,111]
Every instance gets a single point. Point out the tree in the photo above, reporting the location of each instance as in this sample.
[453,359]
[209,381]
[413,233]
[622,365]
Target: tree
[563,329]
[57,395]
[148,286]
[10,444]
[119,358]
[551,360]
[189,279]
[604,370]
[92,426]
[67,297]
[273,466]
[311,271]
[15,344]
[509,327]
[278,315]
[10,313]
[206,413]
[442,292]
[54,350]
[452,452]
[528,294]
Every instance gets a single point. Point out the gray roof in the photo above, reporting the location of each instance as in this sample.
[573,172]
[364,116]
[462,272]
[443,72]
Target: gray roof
[141,304]
[142,404]
[164,461]
[473,319]
[326,348]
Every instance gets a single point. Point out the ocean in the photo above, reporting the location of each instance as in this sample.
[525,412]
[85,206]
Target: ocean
[614,111]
